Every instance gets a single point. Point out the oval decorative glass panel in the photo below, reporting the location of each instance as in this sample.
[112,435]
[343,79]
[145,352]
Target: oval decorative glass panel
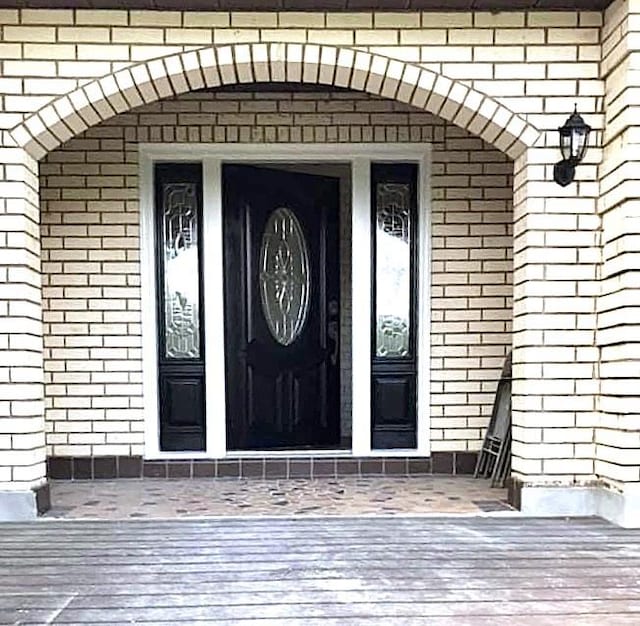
[285,283]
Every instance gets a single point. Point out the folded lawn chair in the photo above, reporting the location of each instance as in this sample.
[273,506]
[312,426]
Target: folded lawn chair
[494,460]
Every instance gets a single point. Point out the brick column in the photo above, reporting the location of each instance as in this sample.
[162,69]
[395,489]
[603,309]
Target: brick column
[617,436]
[23,488]
[556,264]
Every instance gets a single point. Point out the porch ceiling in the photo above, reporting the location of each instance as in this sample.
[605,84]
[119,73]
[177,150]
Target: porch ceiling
[314,5]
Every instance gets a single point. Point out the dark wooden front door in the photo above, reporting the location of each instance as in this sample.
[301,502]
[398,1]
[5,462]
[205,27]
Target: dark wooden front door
[281,308]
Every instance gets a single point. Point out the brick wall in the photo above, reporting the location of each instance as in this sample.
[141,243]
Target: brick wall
[536,64]
[89,199]
[617,435]
[22,445]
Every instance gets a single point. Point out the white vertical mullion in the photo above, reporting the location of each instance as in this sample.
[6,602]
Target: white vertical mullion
[148,311]
[361,306]
[213,281]
[424,307]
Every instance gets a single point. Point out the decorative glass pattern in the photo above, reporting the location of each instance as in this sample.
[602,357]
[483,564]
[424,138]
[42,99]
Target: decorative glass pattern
[285,283]
[393,269]
[181,271]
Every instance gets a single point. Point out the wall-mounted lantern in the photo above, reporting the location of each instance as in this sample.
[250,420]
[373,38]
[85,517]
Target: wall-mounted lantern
[574,138]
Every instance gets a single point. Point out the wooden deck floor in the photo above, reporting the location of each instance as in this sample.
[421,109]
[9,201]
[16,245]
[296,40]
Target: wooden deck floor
[324,571]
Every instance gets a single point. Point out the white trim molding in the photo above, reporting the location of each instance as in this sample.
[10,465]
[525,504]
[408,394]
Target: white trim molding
[214,348]
[148,311]
[424,307]
[361,306]
[212,156]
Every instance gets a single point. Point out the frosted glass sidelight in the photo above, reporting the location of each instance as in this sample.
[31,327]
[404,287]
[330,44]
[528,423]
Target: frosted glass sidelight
[181,271]
[285,283]
[393,269]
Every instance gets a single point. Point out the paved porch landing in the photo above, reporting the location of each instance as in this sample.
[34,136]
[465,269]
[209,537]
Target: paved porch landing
[387,495]
[334,571]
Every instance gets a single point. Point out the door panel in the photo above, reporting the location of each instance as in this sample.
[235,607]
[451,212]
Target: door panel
[394,398]
[180,395]
[281,274]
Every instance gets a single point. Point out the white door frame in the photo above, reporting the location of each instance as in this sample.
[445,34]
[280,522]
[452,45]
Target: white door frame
[212,156]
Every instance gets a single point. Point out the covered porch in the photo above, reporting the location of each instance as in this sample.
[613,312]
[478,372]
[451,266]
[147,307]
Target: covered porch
[505,259]
[131,329]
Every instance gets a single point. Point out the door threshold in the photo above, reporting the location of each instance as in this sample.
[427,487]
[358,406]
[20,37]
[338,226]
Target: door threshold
[342,453]
[251,454]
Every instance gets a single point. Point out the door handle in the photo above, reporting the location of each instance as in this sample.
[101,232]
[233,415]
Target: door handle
[333,330]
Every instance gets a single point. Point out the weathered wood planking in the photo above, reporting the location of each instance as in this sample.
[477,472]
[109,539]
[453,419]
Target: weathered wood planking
[325,571]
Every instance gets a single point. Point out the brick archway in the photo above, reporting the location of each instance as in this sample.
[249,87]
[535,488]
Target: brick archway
[211,67]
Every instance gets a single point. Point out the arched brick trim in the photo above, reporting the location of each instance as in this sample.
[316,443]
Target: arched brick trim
[216,66]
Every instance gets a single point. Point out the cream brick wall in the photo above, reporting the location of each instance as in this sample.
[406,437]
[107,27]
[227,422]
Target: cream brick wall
[556,266]
[471,297]
[617,434]
[22,445]
[533,64]
[89,191]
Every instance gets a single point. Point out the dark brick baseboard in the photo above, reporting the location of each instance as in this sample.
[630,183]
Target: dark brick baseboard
[110,467]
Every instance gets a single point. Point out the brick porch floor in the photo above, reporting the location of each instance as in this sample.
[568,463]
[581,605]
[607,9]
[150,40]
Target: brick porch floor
[387,495]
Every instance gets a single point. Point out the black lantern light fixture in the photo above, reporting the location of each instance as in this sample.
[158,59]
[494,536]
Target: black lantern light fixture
[574,138]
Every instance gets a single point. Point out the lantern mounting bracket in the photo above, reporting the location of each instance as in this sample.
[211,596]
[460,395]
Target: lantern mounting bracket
[564,172]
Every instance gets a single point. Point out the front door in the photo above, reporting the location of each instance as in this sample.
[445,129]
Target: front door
[282,308]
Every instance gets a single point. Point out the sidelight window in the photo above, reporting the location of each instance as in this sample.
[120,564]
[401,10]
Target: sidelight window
[181,366]
[393,269]
[181,276]
[394,363]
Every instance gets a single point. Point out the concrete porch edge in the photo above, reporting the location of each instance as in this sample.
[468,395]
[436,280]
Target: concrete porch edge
[16,506]
[619,507]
